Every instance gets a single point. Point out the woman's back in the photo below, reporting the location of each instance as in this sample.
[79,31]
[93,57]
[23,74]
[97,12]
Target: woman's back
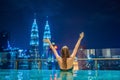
[69,63]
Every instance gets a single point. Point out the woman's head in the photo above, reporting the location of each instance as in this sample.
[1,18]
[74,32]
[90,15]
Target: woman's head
[65,54]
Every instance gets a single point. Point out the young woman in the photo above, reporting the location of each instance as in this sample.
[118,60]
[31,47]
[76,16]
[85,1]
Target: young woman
[65,61]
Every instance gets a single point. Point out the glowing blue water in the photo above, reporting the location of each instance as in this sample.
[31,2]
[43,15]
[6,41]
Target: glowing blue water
[58,75]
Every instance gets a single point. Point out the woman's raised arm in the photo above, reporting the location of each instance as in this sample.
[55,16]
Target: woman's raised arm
[51,46]
[77,44]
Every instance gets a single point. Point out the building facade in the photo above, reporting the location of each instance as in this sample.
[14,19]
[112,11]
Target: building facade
[34,41]
[46,35]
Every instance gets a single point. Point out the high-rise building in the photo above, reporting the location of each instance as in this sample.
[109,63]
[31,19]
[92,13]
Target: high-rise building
[98,53]
[106,52]
[47,34]
[4,38]
[34,45]
[81,54]
[34,42]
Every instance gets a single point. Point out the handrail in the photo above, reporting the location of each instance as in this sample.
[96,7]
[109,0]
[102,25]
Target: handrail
[39,60]
[55,59]
[99,59]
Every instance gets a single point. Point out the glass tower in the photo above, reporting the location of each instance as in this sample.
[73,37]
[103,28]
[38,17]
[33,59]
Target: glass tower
[47,34]
[34,42]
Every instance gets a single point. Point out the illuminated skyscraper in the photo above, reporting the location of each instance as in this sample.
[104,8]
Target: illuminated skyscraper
[34,42]
[47,34]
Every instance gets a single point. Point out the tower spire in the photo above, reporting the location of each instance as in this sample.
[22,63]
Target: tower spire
[35,18]
[35,15]
[47,20]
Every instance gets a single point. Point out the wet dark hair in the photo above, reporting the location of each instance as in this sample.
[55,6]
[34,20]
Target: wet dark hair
[65,54]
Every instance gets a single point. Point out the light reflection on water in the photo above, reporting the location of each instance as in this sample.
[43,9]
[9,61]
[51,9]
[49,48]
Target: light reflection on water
[58,75]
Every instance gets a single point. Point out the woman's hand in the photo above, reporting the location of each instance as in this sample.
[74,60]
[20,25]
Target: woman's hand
[46,40]
[81,35]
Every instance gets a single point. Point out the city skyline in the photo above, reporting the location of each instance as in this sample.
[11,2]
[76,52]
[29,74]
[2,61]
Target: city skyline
[99,20]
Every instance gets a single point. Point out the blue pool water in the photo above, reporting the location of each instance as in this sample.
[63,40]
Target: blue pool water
[59,75]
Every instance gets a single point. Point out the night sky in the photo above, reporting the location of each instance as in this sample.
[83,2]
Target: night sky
[98,19]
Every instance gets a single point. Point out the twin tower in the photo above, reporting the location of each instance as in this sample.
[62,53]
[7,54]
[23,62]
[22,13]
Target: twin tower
[34,41]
